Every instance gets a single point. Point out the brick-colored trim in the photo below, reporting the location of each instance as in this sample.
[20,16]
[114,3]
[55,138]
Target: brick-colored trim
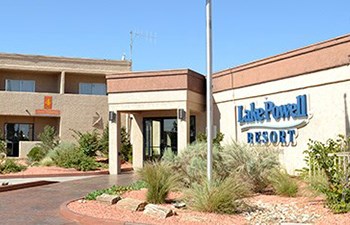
[316,57]
[156,81]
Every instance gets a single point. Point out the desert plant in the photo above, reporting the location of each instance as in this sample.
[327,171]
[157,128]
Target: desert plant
[191,163]
[159,179]
[36,154]
[10,166]
[72,157]
[202,137]
[221,196]
[88,142]
[323,155]
[282,183]
[46,161]
[3,147]
[317,182]
[104,141]
[252,163]
[126,147]
[49,139]
[115,190]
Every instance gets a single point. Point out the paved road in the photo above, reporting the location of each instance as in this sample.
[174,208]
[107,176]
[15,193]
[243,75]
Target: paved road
[40,205]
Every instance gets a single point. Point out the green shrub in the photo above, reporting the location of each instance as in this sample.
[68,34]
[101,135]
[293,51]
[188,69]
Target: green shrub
[72,157]
[115,190]
[220,196]
[282,183]
[251,163]
[3,147]
[49,139]
[318,182]
[322,155]
[126,147]
[10,166]
[88,142]
[36,154]
[46,161]
[104,141]
[159,179]
[202,137]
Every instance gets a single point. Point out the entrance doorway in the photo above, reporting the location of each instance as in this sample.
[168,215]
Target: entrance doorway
[160,134]
[16,132]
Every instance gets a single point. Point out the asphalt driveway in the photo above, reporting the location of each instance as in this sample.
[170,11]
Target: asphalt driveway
[40,205]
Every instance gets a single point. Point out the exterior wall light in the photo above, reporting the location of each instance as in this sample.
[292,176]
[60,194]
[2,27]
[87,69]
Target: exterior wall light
[181,114]
[112,116]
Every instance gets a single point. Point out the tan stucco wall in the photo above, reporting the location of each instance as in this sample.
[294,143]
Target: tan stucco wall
[327,103]
[78,112]
[53,63]
[39,122]
[44,81]
[25,147]
[72,81]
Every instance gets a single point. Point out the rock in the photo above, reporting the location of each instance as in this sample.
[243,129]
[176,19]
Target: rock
[131,204]
[108,199]
[157,211]
[82,201]
[179,205]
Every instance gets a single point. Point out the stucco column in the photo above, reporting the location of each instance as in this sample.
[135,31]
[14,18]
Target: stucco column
[114,145]
[183,130]
[136,139]
[62,82]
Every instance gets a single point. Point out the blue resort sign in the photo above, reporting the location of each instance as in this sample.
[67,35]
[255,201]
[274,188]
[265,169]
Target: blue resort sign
[274,123]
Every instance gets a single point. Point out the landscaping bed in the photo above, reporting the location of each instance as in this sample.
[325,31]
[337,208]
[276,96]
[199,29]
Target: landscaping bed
[271,209]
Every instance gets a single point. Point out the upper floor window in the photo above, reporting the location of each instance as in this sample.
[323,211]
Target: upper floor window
[92,89]
[20,85]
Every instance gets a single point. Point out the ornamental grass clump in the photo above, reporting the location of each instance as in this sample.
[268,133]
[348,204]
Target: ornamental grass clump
[159,179]
[219,196]
[282,183]
[191,163]
[251,163]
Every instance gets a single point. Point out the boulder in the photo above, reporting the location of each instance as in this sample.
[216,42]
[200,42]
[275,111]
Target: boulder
[108,199]
[131,204]
[158,211]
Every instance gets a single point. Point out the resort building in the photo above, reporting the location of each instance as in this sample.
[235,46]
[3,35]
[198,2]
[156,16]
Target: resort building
[66,93]
[281,101]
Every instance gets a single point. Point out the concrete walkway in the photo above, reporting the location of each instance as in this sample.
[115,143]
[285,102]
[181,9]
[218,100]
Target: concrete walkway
[40,205]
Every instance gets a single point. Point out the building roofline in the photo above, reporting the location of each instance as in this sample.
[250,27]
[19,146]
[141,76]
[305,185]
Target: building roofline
[286,55]
[168,72]
[61,58]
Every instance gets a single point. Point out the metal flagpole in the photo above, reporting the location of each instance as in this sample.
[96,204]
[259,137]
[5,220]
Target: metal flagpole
[209,93]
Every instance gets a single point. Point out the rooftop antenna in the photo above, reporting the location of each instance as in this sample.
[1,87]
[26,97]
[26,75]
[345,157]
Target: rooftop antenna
[133,35]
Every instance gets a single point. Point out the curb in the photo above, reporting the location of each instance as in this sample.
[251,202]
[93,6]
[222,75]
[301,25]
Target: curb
[13,187]
[54,175]
[66,213]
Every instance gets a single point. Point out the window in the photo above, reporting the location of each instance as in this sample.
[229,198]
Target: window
[92,89]
[20,85]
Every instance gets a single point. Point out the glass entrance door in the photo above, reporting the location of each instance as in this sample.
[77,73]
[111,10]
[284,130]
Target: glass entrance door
[16,132]
[160,134]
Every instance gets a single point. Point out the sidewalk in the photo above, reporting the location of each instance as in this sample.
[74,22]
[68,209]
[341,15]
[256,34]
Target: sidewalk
[40,205]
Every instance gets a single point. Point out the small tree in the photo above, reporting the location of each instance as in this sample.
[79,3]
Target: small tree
[323,155]
[49,139]
[126,148]
[88,142]
[3,147]
[104,141]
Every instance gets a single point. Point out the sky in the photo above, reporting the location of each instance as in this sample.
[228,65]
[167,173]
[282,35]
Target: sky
[168,34]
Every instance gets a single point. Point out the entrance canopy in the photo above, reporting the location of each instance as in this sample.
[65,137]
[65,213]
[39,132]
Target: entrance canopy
[152,106]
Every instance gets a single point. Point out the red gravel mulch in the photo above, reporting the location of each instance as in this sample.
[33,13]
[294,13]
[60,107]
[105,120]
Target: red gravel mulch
[187,216]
